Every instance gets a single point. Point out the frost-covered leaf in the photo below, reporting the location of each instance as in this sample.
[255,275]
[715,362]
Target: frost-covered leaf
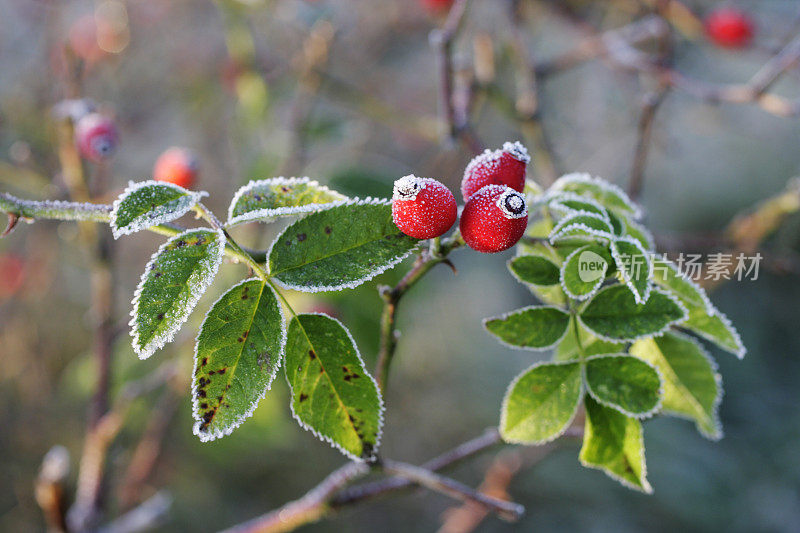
[534,269]
[613,443]
[667,275]
[614,315]
[584,226]
[584,271]
[533,328]
[238,351]
[570,204]
[616,222]
[608,194]
[716,328]
[540,403]
[692,386]
[639,233]
[150,203]
[634,265]
[266,200]
[341,247]
[332,394]
[174,280]
[625,383]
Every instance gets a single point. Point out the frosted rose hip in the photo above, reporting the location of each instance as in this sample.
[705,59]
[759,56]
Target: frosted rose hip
[178,166]
[423,208]
[96,137]
[494,219]
[499,167]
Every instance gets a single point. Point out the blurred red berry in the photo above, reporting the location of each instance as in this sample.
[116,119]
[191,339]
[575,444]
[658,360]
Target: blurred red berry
[96,137]
[82,39]
[423,208]
[437,6]
[729,27]
[178,166]
[494,219]
[499,167]
[12,274]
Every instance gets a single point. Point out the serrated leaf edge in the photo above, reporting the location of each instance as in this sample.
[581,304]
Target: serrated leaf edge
[658,333]
[639,298]
[519,279]
[717,423]
[645,487]
[267,215]
[217,434]
[504,405]
[639,416]
[159,341]
[132,187]
[556,204]
[585,177]
[351,285]
[710,309]
[381,407]
[519,311]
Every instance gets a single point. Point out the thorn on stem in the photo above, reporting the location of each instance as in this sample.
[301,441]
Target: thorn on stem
[13,220]
[451,265]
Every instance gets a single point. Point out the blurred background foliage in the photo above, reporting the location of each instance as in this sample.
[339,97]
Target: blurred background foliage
[345,91]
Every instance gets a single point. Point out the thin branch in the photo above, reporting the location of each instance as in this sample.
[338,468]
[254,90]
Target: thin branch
[147,516]
[30,210]
[506,510]
[391,296]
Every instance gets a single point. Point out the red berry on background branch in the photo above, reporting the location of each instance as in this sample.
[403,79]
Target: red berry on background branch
[423,208]
[12,274]
[178,166]
[729,27]
[437,6]
[494,219]
[96,137]
[499,167]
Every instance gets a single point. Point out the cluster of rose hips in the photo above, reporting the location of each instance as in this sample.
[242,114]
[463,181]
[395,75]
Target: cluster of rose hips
[495,215]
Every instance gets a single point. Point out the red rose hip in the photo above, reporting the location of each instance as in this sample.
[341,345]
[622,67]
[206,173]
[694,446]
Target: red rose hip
[178,166]
[499,167]
[423,208]
[96,137]
[729,28]
[494,219]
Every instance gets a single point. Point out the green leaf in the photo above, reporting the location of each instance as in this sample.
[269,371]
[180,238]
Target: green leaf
[584,271]
[715,327]
[581,226]
[540,403]
[534,269]
[333,396]
[174,280]
[238,352]
[613,443]
[150,203]
[570,203]
[667,275]
[625,383]
[704,319]
[634,266]
[341,247]
[692,386]
[639,233]
[266,200]
[608,194]
[614,315]
[533,328]
[616,222]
